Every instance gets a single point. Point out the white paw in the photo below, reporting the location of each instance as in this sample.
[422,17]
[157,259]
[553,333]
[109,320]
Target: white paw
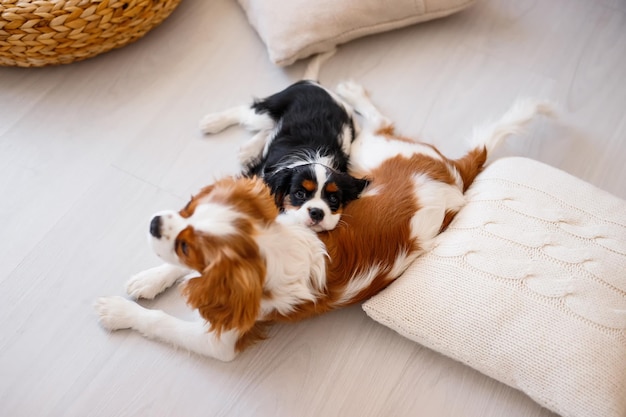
[148,284]
[116,312]
[351,91]
[214,123]
[248,154]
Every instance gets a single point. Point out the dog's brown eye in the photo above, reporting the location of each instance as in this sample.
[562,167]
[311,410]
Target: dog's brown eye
[184,248]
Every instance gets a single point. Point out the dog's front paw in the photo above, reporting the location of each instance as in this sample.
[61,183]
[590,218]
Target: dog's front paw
[351,91]
[116,312]
[147,284]
[249,154]
[214,123]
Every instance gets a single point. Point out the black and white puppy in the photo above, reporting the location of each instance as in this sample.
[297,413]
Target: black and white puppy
[301,148]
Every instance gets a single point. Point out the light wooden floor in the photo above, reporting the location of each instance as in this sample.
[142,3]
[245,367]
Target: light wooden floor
[88,151]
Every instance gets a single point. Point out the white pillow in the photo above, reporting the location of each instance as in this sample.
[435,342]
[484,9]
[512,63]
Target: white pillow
[528,286]
[295,29]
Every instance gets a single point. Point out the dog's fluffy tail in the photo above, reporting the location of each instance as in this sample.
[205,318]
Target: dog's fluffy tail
[513,122]
[315,64]
[486,138]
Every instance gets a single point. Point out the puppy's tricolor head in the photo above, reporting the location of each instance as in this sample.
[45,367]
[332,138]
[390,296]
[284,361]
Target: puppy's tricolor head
[215,235]
[314,193]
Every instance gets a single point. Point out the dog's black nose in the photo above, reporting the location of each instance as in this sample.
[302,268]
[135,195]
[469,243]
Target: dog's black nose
[155,227]
[316,214]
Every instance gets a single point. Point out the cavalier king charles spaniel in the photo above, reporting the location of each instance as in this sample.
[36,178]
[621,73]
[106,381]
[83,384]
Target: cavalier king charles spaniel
[255,266]
[301,148]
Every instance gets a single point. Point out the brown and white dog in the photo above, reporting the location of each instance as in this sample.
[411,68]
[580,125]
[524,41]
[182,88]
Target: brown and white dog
[256,267]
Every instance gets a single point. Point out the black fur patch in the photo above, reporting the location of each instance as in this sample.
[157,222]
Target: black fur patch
[310,124]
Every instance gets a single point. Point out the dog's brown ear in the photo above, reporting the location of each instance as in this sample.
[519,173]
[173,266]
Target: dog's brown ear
[228,293]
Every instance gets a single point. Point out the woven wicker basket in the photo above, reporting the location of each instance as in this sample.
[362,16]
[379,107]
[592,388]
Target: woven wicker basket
[35,33]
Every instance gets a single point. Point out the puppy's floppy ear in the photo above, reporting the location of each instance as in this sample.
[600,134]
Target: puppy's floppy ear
[351,187]
[229,291]
[280,183]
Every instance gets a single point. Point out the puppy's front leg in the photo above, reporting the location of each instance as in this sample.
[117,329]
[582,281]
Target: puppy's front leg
[253,149]
[148,284]
[243,115]
[216,122]
[117,313]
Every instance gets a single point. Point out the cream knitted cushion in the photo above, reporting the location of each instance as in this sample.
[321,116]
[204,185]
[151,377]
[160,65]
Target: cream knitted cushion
[528,286]
[295,29]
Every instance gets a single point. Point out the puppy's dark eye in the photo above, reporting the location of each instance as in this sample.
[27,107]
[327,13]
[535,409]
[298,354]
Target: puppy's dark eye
[333,199]
[300,195]
[184,248]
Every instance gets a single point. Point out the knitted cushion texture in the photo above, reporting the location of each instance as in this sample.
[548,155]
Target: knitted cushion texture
[528,286]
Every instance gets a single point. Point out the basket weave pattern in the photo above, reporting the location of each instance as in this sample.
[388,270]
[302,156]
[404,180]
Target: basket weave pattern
[35,33]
